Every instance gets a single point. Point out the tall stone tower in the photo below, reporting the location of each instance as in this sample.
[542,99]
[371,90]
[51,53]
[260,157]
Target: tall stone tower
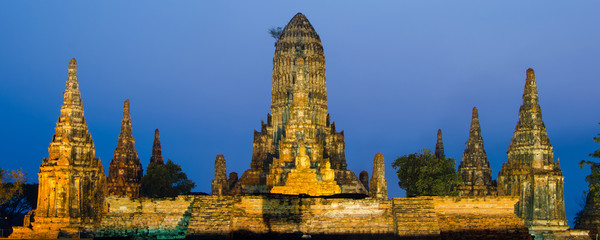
[156,149]
[125,171]
[439,145]
[71,180]
[378,182]
[531,172]
[475,168]
[220,185]
[298,115]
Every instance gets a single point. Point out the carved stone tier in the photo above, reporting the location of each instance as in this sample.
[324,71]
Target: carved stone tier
[71,180]
[474,168]
[531,172]
[125,171]
[298,114]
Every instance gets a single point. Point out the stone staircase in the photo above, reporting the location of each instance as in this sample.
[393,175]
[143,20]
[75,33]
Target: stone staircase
[415,217]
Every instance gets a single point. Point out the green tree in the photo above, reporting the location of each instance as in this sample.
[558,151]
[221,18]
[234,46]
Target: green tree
[423,174]
[593,194]
[594,178]
[275,32]
[12,211]
[11,184]
[165,180]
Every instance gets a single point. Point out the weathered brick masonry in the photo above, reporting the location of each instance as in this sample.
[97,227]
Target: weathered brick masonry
[229,216]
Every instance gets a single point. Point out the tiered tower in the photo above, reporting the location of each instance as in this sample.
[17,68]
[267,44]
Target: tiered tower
[156,149]
[125,171]
[71,180]
[475,168]
[439,145]
[531,172]
[299,118]
[378,182]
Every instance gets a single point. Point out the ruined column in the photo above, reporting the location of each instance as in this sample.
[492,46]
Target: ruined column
[439,145]
[220,185]
[378,182]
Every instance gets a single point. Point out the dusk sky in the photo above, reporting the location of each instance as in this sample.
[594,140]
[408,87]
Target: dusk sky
[200,71]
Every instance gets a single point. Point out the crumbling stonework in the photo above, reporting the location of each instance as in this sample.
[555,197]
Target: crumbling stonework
[146,218]
[236,217]
[125,171]
[474,168]
[378,182]
[298,114]
[531,172]
[156,149]
[71,180]
[439,145]
[220,185]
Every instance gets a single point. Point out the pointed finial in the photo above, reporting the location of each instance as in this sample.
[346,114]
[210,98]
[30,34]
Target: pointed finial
[156,134]
[126,109]
[73,66]
[475,114]
[530,74]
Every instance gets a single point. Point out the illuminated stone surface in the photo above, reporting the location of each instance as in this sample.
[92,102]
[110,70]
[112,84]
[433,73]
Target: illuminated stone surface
[378,182]
[531,172]
[225,217]
[71,180]
[474,168]
[125,171]
[298,114]
[304,180]
[220,185]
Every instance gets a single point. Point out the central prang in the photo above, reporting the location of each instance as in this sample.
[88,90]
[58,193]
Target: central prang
[298,133]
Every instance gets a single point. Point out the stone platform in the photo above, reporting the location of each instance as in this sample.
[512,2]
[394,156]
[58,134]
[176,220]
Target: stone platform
[334,217]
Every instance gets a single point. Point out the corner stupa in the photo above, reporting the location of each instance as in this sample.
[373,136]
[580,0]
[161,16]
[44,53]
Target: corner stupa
[531,172]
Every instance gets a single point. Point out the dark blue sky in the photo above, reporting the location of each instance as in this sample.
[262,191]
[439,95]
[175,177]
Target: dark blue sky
[396,72]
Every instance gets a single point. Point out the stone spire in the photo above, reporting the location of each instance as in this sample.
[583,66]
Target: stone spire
[156,149]
[220,185]
[298,114]
[475,168]
[531,172]
[125,171]
[71,179]
[378,182]
[439,145]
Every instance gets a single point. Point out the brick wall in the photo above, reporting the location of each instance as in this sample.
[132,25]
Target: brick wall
[434,217]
